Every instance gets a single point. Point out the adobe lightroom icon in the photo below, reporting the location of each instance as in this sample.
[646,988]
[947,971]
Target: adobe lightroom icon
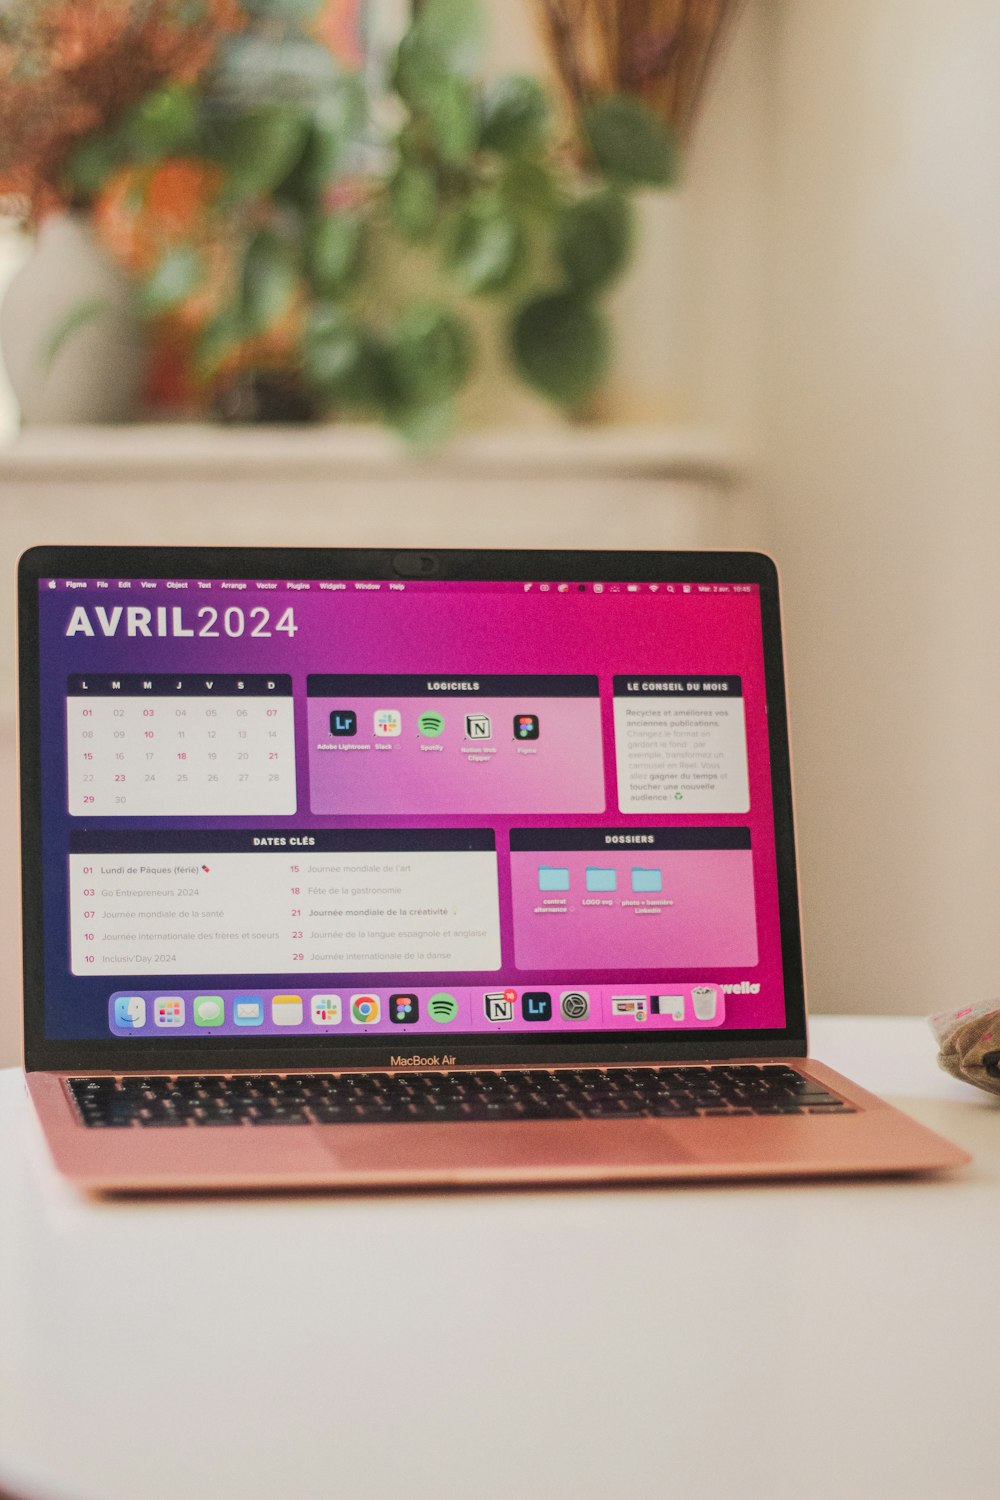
[343,721]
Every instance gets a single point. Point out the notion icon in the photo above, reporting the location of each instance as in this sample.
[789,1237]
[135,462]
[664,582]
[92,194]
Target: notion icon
[498,1005]
[478,727]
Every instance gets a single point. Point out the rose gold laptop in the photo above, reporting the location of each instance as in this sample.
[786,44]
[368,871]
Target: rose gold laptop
[370,869]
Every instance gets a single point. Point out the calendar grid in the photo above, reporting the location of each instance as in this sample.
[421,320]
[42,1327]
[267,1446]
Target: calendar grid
[160,745]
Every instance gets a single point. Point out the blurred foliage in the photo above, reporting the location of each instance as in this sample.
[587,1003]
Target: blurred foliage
[312,227]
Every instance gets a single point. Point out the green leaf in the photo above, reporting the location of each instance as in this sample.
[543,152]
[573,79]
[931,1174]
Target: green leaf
[629,143]
[326,133]
[594,240]
[333,351]
[529,187]
[164,123]
[332,250]
[455,30]
[560,345]
[431,353]
[450,111]
[293,12]
[174,277]
[413,202]
[91,164]
[445,101]
[417,69]
[515,114]
[219,339]
[78,317]
[259,149]
[316,167]
[485,246]
[424,428]
[270,281]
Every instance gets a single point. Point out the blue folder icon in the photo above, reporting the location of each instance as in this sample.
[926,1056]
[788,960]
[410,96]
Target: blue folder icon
[553,878]
[601,878]
[646,880]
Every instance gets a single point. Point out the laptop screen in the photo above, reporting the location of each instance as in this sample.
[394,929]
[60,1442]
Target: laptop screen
[410,809]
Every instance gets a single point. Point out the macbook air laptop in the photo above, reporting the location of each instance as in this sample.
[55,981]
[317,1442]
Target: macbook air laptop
[358,869]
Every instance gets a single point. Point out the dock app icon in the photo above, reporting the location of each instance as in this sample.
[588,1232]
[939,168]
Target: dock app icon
[404,1009]
[498,1005]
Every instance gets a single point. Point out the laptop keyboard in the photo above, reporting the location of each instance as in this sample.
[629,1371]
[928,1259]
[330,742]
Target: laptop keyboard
[676,1092]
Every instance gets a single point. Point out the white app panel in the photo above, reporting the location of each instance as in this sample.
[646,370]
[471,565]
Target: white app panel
[681,755]
[277,913]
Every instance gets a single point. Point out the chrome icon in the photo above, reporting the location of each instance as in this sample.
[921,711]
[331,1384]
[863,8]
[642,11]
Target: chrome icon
[366,1010]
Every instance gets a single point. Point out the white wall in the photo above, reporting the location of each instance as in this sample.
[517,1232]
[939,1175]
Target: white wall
[842,314]
[881,473]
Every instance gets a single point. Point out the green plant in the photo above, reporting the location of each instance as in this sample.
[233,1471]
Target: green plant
[299,224]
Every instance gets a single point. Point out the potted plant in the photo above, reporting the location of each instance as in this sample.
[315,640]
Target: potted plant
[307,229]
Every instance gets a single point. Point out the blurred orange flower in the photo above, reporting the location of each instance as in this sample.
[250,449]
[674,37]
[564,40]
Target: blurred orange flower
[143,211]
[339,27]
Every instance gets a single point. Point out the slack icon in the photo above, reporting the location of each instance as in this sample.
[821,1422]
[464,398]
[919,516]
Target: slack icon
[343,721]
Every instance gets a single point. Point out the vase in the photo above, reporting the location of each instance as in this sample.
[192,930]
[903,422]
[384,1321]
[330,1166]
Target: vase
[95,372]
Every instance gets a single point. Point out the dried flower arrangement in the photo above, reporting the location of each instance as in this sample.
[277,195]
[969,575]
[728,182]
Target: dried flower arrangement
[308,231]
[659,51]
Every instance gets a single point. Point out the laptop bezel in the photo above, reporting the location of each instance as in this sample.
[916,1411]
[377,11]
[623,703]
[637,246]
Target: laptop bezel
[221,1054]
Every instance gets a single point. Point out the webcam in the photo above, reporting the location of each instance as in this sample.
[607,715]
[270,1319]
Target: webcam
[415,564]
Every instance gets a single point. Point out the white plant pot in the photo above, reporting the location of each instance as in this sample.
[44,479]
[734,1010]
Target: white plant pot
[96,374]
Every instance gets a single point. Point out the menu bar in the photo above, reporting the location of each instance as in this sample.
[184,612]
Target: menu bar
[244,586]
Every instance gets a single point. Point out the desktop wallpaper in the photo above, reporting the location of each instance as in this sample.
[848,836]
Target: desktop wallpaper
[339,807]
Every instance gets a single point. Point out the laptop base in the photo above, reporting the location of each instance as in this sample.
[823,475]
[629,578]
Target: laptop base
[876,1140]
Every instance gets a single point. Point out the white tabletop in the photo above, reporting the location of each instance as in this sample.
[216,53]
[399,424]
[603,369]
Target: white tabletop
[834,1342]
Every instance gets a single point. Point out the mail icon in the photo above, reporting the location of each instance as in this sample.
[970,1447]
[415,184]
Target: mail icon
[646,880]
[601,878]
[553,877]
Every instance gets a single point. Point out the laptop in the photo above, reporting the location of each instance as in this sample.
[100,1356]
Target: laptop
[366,869]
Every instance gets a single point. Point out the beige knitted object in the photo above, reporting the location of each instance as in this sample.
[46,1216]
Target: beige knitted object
[970,1043]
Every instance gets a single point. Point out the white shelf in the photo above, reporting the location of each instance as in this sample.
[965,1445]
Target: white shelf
[147,450]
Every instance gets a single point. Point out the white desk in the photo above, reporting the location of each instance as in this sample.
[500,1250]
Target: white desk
[830,1342]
